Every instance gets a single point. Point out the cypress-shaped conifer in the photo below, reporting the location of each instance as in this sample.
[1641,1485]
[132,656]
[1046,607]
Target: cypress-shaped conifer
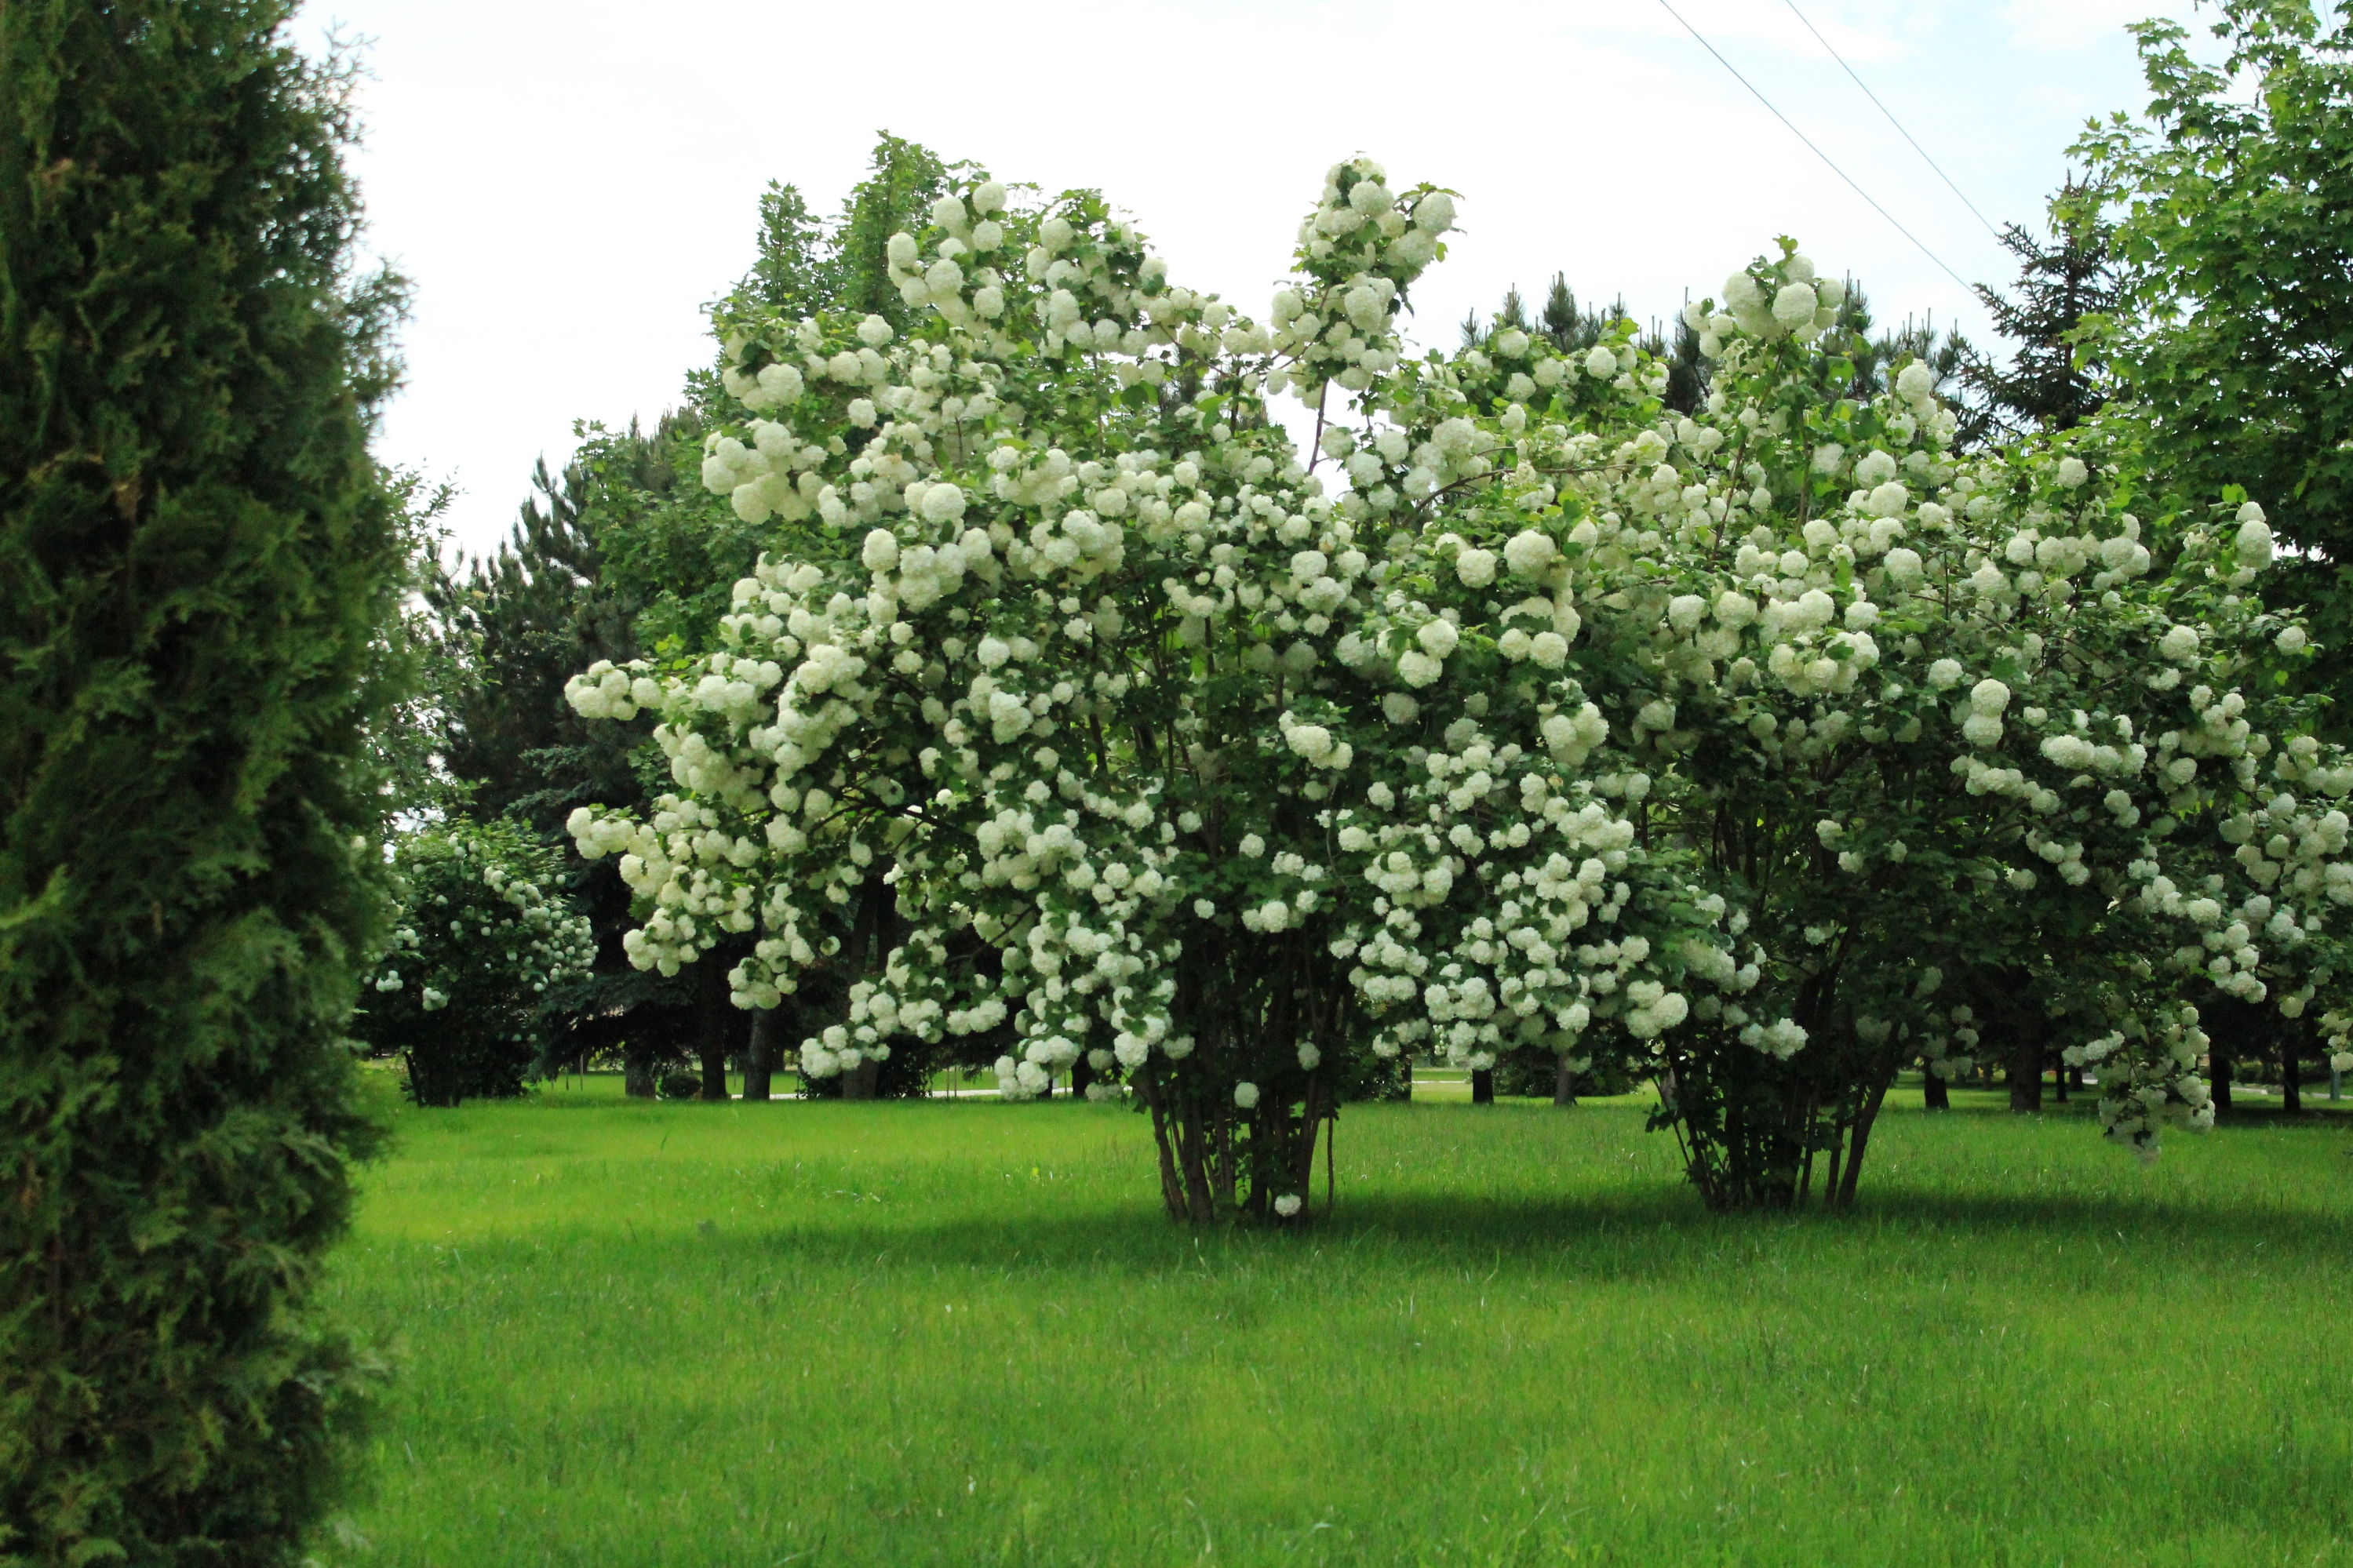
[197,564]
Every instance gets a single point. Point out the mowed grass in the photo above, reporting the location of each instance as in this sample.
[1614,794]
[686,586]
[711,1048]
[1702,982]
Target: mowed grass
[961,1332]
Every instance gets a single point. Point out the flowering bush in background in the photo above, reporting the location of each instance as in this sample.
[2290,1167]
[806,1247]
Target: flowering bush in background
[485,935]
[1110,724]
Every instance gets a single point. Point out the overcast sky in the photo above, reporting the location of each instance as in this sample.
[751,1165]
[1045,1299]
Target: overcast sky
[567,184]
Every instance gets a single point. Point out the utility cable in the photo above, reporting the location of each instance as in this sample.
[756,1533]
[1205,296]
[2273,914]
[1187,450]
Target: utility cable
[1883,108]
[1817,152]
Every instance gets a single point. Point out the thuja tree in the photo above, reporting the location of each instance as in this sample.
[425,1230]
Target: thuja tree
[196,564]
[1118,733]
[470,988]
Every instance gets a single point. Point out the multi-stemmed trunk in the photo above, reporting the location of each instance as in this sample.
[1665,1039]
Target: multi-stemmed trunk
[1221,1159]
[1563,1082]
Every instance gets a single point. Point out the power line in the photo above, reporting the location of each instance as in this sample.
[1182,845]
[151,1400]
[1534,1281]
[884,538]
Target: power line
[1817,152]
[1883,108]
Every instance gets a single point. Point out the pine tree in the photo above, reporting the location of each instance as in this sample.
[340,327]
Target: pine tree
[199,570]
[513,628]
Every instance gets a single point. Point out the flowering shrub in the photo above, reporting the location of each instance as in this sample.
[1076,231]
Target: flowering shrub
[1913,711]
[1117,731]
[485,937]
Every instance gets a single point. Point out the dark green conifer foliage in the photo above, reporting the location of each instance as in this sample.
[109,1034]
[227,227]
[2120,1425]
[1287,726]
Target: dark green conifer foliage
[2053,380]
[198,564]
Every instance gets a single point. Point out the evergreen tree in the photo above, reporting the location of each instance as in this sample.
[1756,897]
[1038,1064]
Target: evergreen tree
[2056,378]
[199,576]
[513,628]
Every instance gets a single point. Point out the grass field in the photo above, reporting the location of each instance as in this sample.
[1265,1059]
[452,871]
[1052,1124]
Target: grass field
[960,1333]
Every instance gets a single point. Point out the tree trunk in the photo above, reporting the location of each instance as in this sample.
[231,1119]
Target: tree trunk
[2292,1068]
[1483,1086]
[637,1071]
[1935,1092]
[859,1082]
[760,1056]
[2026,1067]
[1082,1073]
[1406,1059]
[2059,1082]
[712,1008]
[1564,1083]
[1860,1140]
[2218,1071]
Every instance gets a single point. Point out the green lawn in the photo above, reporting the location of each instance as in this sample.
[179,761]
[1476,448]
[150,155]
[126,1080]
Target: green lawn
[959,1332]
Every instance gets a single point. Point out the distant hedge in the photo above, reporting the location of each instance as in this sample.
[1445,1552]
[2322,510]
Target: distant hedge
[198,558]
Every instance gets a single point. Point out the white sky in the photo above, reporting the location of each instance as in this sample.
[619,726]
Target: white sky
[567,184]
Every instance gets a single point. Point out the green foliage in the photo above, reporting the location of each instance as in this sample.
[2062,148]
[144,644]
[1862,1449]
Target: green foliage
[198,567]
[942,1333]
[466,992]
[807,265]
[2235,325]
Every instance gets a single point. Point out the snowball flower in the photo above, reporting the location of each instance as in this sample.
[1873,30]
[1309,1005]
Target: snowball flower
[1438,637]
[2254,537]
[1312,741]
[2178,644]
[1476,567]
[1600,365]
[1246,1095]
[943,503]
[1989,696]
[1548,651]
[1945,674]
[1252,846]
[1415,668]
[1904,564]
[1529,553]
[2072,472]
[1915,382]
[2290,640]
[882,552]
[874,332]
[1794,305]
[1287,1205]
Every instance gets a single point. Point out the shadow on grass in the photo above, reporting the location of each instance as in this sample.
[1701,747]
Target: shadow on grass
[1661,1232]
